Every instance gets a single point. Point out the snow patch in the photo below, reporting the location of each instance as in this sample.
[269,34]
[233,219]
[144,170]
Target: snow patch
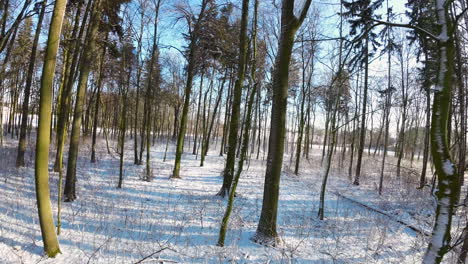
[448,168]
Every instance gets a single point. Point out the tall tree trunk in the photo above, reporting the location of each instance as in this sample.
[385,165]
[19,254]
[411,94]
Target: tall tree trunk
[340,80]
[188,91]
[85,68]
[65,98]
[27,90]
[49,237]
[326,135]
[194,152]
[387,105]
[226,116]
[228,172]
[206,141]
[123,122]
[245,142]
[149,94]
[97,103]
[353,139]
[446,171]
[333,132]
[304,94]
[266,231]
[362,133]
[401,135]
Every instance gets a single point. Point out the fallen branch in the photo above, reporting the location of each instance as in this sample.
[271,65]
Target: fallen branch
[150,255]
[412,227]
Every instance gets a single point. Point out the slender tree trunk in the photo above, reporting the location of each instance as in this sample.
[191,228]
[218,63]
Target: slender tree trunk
[371,129]
[123,125]
[228,172]
[206,141]
[85,68]
[302,114]
[362,134]
[49,237]
[194,152]
[27,90]
[388,96]
[96,106]
[401,136]
[340,80]
[188,91]
[333,129]
[65,98]
[326,135]
[226,117]
[153,61]
[246,134]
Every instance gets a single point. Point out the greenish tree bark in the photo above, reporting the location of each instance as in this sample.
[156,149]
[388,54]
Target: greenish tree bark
[266,231]
[49,237]
[248,123]
[447,174]
[85,68]
[65,97]
[228,172]
[188,91]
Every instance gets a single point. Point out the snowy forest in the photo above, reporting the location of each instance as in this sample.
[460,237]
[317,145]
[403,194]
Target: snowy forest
[233,131]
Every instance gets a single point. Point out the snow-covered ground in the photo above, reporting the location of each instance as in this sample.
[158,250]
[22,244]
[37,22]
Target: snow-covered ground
[180,218]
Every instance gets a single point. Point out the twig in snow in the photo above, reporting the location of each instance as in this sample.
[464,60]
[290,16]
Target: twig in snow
[99,248]
[152,254]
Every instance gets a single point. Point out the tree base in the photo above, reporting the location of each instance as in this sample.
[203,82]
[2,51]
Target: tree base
[56,167]
[223,192]
[52,253]
[266,240]
[69,198]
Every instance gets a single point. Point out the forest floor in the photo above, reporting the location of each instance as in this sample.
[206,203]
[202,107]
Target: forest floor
[178,220]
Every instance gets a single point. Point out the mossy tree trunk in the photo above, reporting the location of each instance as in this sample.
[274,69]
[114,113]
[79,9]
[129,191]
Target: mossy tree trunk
[85,68]
[248,123]
[228,172]
[70,73]
[188,91]
[266,231]
[447,174]
[49,237]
